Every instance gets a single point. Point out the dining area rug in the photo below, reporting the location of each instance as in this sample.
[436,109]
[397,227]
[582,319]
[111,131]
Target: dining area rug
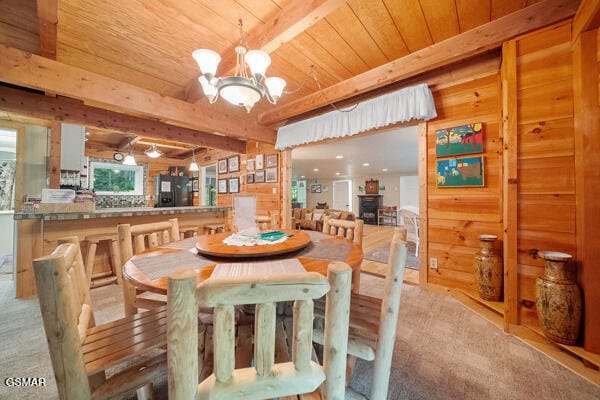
[380,254]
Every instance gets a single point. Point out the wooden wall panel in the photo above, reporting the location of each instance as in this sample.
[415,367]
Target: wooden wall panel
[457,216]
[546,154]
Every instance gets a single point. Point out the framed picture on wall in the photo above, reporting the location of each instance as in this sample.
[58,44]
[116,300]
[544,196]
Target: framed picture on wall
[233,163]
[259,176]
[271,160]
[464,139]
[460,172]
[222,186]
[195,174]
[271,174]
[222,166]
[250,178]
[250,165]
[234,185]
[315,188]
[194,185]
[259,161]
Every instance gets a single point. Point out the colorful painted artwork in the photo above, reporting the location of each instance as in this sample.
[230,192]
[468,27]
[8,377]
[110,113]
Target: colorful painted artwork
[465,139]
[460,172]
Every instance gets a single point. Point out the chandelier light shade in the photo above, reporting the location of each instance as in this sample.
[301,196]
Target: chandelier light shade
[129,158]
[153,152]
[245,88]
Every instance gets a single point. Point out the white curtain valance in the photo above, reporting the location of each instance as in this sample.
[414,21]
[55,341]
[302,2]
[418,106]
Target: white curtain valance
[415,102]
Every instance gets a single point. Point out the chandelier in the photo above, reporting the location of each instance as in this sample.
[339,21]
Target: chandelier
[248,84]
[153,152]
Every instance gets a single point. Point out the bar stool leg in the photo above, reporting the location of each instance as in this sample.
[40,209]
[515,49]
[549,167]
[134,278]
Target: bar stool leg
[89,261]
[115,259]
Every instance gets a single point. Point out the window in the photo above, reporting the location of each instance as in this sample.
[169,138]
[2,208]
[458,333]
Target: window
[119,179]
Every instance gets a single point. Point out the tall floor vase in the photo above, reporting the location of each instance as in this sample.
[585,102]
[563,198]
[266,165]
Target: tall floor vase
[558,299]
[489,272]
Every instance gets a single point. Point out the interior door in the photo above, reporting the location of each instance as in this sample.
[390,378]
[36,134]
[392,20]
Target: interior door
[342,195]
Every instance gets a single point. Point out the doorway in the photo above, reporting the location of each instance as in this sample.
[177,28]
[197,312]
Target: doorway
[342,195]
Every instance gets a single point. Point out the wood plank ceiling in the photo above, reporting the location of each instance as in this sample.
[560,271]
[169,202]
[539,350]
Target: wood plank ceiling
[148,43]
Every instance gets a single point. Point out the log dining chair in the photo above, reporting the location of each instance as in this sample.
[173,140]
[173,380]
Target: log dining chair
[135,239]
[373,321]
[410,216]
[351,230]
[80,351]
[263,378]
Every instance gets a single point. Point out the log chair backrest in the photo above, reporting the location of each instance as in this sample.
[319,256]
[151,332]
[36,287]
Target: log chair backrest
[67,314]
[134,239]
[265,379]
[351,230]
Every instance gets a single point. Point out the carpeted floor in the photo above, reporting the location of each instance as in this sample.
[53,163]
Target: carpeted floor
[380,254]
[443,351]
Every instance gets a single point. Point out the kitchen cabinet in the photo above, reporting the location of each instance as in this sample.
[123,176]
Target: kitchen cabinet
[72,145]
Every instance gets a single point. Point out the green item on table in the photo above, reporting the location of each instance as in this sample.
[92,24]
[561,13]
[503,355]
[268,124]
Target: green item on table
[273,235]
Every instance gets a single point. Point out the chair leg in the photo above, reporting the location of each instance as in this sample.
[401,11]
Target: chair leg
[129,298]
[350,364]
[89,262]
[115,259]
[146,392]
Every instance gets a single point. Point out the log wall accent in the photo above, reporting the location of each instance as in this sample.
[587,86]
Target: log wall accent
[457,216]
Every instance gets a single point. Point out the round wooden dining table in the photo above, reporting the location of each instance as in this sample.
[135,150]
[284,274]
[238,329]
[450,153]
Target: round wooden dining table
[149,270]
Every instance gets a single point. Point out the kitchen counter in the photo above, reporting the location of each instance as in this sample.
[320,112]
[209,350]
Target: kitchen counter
[120,212]
[38,233]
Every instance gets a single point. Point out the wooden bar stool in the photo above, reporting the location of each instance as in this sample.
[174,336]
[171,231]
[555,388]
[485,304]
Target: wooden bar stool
[115,260]
[186,231]
[211,229]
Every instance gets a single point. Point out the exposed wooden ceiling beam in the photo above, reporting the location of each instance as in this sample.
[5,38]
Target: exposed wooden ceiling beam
[470,43]
[586,18]
[48,17]
[128,141]
[288,23]
[73,111]
[25,69]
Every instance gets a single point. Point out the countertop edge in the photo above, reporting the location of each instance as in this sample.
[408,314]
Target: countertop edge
[119,212]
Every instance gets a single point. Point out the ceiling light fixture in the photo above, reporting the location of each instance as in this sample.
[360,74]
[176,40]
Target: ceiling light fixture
[339,157]
[385,170]
[194,164]
[366,164]
[129,158]
[316,169]
[243,89]
[337,173]
[153,152]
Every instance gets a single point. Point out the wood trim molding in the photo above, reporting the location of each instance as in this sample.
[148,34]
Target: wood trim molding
[288,23]
[73,111]
[470,43]
[586,18]
[423,206]
[21,68]
[54,155]
[510,181]
[587,176]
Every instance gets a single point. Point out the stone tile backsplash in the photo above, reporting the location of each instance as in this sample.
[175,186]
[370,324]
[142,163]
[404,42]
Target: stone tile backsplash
[115,201]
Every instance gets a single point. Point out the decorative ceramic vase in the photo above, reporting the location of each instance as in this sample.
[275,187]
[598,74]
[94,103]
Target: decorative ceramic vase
[488,269]
[558,299]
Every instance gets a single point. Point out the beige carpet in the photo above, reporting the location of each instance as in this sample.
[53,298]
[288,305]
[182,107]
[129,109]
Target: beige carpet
[443,351]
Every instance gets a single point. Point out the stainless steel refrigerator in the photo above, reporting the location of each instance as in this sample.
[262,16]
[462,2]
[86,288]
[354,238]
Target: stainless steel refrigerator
[172,191]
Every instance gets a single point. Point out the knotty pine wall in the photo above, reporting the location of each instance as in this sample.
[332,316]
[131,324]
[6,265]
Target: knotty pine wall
[457,216]
[269,196]
[546,156]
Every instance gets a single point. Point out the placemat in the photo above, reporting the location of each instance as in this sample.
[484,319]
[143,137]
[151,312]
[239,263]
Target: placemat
[155,267]
[185,244]
[326,251]
[274,267]
[316,236]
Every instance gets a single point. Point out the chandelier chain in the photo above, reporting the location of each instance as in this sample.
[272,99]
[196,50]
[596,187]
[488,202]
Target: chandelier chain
[314,76]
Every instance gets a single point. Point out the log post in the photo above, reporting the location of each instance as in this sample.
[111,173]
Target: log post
[182,335]
[337,314]
[224,342]
[264,338]
[302,339]
[389,317]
